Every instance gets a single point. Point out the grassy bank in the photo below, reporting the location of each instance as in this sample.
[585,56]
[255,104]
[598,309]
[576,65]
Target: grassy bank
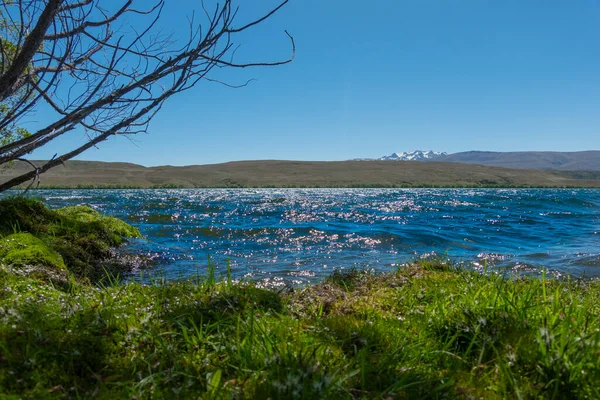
[426,330]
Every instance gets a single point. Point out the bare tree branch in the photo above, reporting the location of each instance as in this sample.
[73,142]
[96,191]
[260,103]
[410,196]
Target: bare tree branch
[26,53]
[66,55]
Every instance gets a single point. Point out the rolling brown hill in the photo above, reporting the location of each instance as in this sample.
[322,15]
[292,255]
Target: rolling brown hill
[272,173]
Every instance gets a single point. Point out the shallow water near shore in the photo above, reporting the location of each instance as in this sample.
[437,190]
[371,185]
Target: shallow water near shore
[301,235]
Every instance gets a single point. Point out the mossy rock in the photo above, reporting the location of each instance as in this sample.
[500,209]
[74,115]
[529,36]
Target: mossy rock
[26,255]
[85,238]
[80,236]
[89,220]
[20,214]
[25,249]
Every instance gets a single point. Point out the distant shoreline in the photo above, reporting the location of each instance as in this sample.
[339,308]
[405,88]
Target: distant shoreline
[44,188]
[303,174]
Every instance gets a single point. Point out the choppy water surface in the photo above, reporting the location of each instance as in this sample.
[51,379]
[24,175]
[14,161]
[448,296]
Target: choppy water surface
[302,235]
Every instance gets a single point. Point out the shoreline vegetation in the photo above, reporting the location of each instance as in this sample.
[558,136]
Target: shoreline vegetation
[70,329]
[356,186]
[301,174]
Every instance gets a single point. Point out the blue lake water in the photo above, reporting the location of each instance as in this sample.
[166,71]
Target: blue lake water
[302,235]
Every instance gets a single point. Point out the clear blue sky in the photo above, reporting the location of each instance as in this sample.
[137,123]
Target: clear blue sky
[372,78]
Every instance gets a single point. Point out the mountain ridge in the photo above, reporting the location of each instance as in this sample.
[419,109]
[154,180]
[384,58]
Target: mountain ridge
[416,155]
[587,160]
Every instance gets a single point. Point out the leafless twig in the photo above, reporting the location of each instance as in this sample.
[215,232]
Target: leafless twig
[67,55]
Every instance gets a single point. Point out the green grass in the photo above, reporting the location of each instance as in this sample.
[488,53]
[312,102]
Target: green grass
[425,331]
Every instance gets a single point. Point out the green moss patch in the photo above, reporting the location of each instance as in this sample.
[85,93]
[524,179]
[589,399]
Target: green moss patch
[25,255]
[89,220]
[79,236]
[20,214]
[21,249]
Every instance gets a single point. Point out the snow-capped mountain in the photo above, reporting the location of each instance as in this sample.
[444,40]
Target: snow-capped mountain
[417,155]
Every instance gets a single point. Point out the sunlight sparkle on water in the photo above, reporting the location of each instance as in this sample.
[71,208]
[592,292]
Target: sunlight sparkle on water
[302,235]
